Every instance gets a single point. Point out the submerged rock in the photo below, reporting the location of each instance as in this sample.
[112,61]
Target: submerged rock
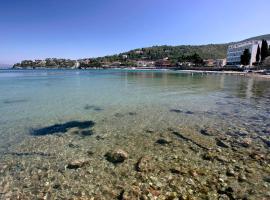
[230,172]
[72,145]
[143,164]
[205,132]
[75,164]
[163,141]
[176,110]
[242,178]
[222,143]
[245,142]
[116,156]
[131,193]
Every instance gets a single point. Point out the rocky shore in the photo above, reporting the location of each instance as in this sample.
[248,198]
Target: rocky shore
[172,163]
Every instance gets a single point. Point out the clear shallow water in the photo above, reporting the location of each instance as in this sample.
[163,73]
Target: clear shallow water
[34,98]
[124,103]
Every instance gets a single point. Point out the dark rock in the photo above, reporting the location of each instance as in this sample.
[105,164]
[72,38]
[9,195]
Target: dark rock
[176,170]
[100,137]
[71,145]
[149,131]
[116,156]
[206,132]
[163,141]
[92,107]
[86,133]
[208,156]
[90,153]
[176,110]
[118,115]
[132,113]
[189,112]
[267,179]
[221,143]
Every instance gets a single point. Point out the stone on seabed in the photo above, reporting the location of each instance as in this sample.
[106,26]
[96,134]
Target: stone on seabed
[116,156]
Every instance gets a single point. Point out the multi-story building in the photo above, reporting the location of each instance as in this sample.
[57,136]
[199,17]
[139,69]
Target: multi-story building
[237,49]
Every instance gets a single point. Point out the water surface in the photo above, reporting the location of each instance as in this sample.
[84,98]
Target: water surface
[42,109]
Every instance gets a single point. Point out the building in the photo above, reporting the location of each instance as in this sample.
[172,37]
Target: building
[235,51]
[163,63]
[144,63]
[209,62]
[220,62]
[125,56]
[215,62]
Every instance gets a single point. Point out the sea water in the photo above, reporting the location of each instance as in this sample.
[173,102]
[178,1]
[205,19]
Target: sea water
[123,106]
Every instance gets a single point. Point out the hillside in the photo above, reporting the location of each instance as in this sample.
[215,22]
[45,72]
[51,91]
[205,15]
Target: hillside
[265,37]
[172,54]
[213,51]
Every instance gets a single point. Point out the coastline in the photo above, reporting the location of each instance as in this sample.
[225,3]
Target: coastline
[239,73]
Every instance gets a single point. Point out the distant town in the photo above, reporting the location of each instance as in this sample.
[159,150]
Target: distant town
[247,54]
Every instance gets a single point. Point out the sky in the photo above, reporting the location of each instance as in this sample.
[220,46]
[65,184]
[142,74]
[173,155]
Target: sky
[38,29]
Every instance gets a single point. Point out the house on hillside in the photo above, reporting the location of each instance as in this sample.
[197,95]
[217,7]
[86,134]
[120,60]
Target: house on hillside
[214,62]
[144,63]
[163,63]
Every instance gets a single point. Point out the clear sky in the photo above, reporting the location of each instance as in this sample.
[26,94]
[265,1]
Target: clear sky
[37,29]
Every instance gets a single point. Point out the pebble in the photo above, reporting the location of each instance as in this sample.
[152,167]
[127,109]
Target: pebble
[176,170]
[242,178]
[116,156]
[246,142]
[75,164]
[230,172]
[143,164]
[163,141]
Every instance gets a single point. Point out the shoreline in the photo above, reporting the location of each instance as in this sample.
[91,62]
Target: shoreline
[239,73]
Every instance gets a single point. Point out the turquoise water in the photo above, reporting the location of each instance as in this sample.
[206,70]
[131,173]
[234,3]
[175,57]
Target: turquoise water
[34,98]
[123,103]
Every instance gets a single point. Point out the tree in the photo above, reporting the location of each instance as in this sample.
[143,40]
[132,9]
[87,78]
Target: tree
[264,50]
[245,58]
[258,55]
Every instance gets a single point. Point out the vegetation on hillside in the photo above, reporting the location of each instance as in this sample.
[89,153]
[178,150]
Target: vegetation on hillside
[170,55]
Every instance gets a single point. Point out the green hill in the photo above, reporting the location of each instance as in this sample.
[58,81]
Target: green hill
[175,54]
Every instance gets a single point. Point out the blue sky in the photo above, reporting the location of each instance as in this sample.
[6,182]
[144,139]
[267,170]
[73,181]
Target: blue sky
[37,29]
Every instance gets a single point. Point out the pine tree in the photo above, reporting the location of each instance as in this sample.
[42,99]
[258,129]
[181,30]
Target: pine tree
[264,50]
[245,58]
[258,55]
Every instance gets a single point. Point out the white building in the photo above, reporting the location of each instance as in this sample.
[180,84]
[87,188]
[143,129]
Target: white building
[143,63]
[237,49]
